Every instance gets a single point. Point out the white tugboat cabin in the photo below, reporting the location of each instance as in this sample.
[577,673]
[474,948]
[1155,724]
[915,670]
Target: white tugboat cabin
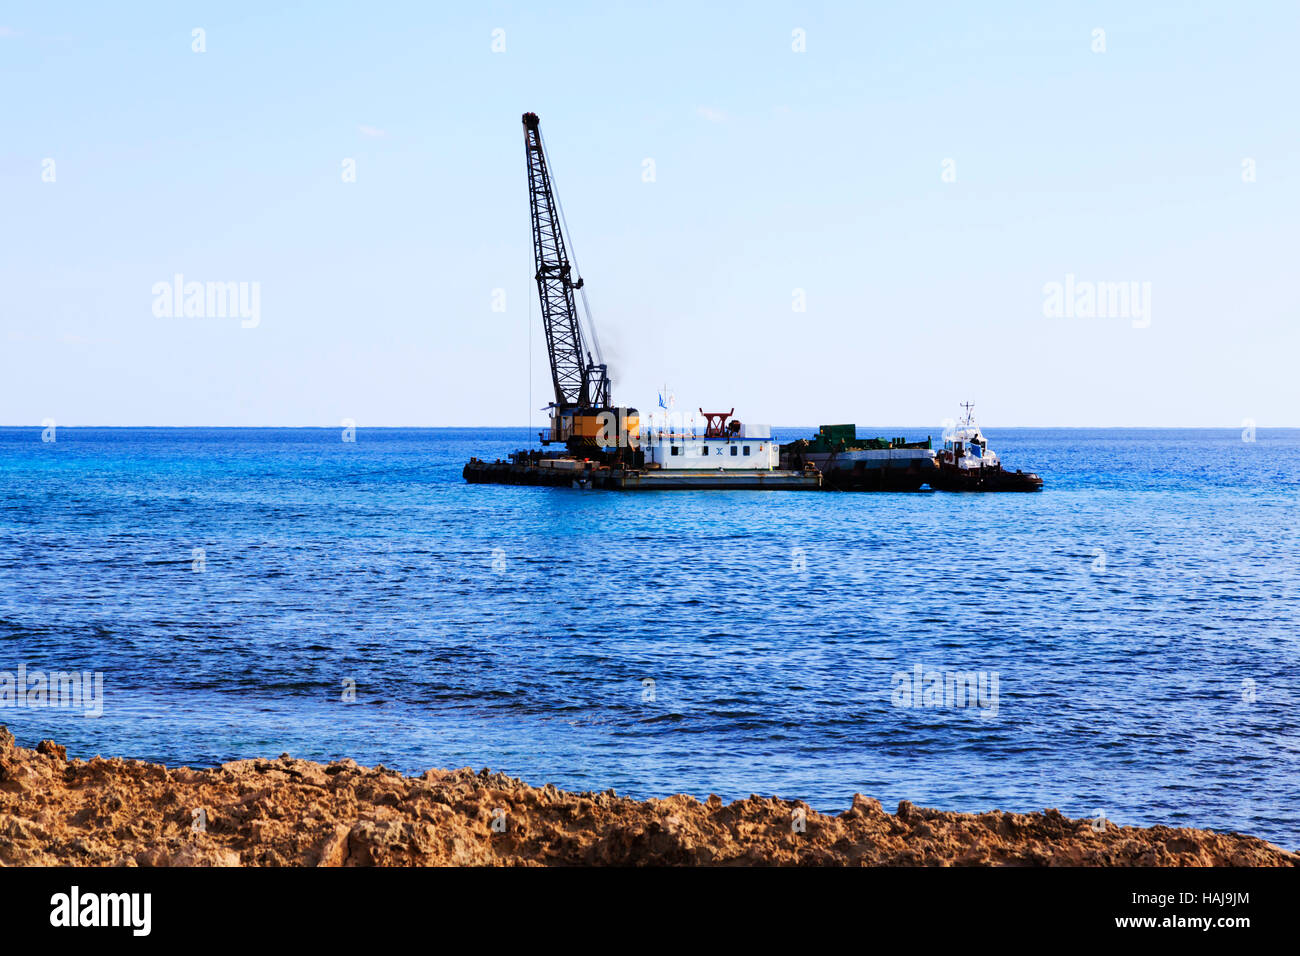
[964,445]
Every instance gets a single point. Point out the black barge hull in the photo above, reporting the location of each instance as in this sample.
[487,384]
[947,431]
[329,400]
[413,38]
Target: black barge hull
[875,479]
[984,479]
[594,475]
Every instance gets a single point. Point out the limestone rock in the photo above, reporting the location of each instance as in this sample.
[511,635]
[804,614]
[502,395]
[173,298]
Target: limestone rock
[291,812]
[50,749]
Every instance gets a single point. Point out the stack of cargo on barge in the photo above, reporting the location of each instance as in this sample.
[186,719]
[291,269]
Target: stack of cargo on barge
[850,463]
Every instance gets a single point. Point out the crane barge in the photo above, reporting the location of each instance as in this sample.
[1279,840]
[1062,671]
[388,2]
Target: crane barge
[593,443]
[603,445]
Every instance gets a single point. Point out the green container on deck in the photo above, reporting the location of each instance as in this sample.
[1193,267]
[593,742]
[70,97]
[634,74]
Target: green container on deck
[833,434]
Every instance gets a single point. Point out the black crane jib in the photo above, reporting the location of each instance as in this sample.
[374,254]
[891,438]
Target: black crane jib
[579,382]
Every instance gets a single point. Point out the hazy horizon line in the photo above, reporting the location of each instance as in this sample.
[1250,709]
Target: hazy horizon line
[813,428]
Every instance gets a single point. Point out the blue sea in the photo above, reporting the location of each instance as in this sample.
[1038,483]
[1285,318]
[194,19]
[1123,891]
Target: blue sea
[246,592]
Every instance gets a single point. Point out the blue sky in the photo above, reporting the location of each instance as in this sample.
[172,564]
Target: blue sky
[774,171]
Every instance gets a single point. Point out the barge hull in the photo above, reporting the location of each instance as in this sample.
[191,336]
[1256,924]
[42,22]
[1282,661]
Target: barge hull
[985,480]
[895,469]
[875,479]
[619,479]
[771,480]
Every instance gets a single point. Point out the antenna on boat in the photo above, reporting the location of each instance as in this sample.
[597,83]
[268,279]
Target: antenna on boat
[968,406]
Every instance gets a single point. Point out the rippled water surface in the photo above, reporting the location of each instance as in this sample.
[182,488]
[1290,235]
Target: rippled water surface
[1140,615]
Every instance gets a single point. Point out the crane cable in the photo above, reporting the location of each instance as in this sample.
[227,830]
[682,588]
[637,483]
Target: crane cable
[530,366]
[529,297]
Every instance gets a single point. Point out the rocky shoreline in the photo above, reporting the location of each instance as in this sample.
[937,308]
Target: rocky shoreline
[286,812]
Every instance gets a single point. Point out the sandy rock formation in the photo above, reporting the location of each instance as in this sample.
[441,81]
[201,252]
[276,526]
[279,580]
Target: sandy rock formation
[290,812]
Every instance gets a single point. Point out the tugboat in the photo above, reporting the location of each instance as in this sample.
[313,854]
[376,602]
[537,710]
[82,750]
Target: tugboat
[965,463]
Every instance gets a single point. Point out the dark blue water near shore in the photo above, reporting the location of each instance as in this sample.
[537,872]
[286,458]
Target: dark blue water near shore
[1141,615]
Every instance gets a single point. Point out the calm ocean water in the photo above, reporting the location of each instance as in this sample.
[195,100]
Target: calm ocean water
[1140,615]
